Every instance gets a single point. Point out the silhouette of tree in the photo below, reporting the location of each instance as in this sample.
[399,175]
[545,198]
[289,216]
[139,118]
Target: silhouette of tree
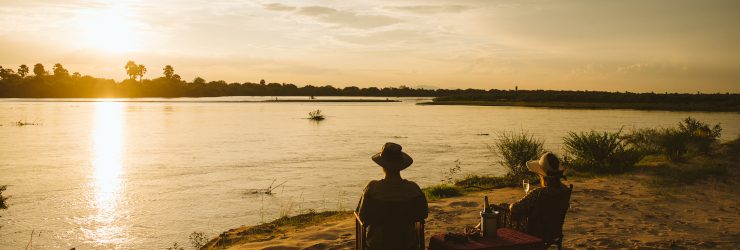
[177,77]
[262,82]
[141,70]
[60,71]
[131,69]
[6,73]
[76,75]
[199,81]
[23,70]
[38,69]
[168,71]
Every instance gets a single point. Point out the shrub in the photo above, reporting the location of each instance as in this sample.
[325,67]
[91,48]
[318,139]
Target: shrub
[645,139]
[700,134]
[315,115]
[674,143]
[441,191]
[698,130]
[600,152]
[516,148]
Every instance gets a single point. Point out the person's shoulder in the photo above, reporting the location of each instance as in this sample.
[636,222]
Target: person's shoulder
[373,183]
[411,183]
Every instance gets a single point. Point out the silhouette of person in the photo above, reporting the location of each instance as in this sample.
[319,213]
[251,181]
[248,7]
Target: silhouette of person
[391,206]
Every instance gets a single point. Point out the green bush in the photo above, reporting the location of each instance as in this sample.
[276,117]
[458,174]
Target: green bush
[600,152]
[645,139]
[700,134]
[441,191]
[674,142]
[516,148]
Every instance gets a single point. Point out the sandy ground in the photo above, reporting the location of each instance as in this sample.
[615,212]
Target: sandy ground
[612,213]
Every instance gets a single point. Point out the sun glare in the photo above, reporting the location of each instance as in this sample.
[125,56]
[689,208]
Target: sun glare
[110,30]
[108,148]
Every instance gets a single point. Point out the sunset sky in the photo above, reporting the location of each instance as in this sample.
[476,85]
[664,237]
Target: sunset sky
[639,46]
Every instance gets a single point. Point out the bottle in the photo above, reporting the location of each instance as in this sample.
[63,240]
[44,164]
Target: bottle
[487,208]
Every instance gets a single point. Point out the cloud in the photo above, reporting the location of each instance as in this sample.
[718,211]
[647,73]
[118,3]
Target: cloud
[347,18]
[428,9]
[333,16]
[389,37]
[279,7]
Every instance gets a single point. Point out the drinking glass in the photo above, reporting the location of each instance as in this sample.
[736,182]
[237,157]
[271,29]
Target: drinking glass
[525,183]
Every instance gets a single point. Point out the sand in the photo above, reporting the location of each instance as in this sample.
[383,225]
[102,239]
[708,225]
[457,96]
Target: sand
[608,213]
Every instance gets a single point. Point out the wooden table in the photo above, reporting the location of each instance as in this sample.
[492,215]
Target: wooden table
[507,239]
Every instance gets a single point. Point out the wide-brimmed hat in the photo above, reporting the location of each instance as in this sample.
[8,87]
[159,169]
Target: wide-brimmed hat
[391,157]
[548,165]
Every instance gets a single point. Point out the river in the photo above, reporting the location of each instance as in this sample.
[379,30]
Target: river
[146,173]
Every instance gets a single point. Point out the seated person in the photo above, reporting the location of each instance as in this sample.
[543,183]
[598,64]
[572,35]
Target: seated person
[553,190]
[391,206]
[550,171]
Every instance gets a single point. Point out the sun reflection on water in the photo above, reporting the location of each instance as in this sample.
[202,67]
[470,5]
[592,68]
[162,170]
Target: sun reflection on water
[108,138]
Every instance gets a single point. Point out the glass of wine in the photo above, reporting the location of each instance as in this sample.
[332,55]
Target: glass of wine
[525,183]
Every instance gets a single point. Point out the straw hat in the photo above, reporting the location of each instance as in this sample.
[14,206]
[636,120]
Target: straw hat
[391,157]
[548,165]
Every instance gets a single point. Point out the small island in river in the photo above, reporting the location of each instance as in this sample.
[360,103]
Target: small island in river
[597,100]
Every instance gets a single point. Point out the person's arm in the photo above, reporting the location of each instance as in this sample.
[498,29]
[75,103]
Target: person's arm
[527,203]
[362,205]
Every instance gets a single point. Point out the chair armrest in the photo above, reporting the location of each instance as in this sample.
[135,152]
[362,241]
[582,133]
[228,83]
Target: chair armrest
[499,208]
[357,218]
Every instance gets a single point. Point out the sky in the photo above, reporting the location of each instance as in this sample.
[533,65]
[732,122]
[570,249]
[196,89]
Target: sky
[637,46]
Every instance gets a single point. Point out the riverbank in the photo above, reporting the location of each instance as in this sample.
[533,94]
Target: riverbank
[660,205]
[587,105]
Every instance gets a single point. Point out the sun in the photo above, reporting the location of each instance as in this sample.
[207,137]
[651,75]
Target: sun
[110,29]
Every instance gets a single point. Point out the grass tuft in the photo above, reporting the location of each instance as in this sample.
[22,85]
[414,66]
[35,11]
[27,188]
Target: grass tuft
[442,191]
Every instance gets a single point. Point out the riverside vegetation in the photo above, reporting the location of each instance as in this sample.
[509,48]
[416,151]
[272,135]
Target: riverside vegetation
[598,154]
[589,155]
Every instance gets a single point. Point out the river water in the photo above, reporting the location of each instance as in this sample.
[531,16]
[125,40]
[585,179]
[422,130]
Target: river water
[146,173]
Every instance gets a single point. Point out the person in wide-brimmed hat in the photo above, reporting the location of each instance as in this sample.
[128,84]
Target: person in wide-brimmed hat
[550,172]
[400,233]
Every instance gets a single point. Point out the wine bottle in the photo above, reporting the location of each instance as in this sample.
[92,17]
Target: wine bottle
[486,208]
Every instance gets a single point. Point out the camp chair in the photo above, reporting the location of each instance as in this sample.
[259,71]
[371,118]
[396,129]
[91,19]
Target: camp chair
[546,221]
[394,213]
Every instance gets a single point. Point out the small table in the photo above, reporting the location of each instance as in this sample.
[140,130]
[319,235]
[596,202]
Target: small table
[507,239]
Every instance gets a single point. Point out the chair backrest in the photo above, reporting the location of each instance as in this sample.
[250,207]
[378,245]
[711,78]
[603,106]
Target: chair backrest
[548,216]
[394,212]
[390,213]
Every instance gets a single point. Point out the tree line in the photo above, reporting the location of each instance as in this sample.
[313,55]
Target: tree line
[568,96]
[59,83]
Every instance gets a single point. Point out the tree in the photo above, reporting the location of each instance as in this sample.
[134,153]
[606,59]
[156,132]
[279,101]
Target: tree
[59,70]
[199,81]
[132,70]
[141,70]
[76,75]
[262,82]
[38,69]
[23,70]
[168,71]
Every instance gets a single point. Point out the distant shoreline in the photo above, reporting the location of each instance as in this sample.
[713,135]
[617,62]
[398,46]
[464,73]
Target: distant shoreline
[581,105]
[260,101]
